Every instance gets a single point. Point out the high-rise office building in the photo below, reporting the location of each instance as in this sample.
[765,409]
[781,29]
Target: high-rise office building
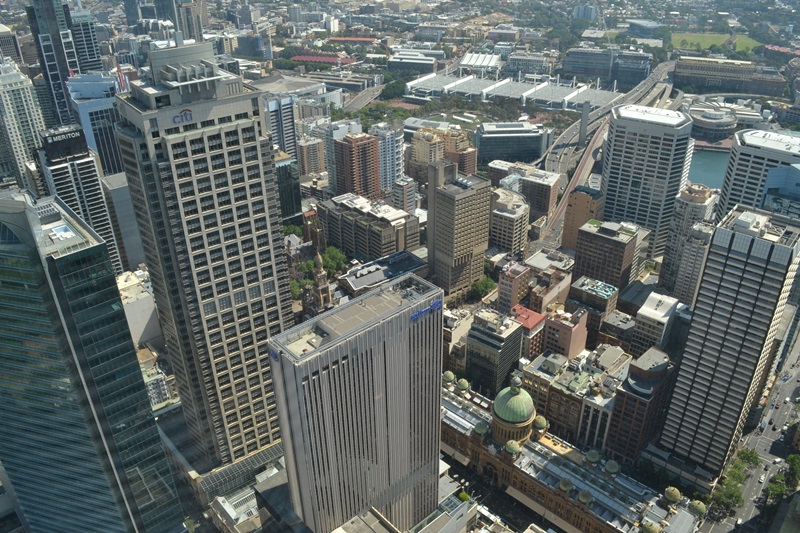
[357,160]
[458,226]
[690,262]
[753,154]
[84,34]
[295,13]
[132,13]
[494,346]
[281,122]
[190,17]
[20,121]
[79,442]
[459,150]
[310,156]
[508,222]
[583,204]
[353,438]
[540,189]
[92,97]
[288,188]
[120,211]
[610,252]
[68,169]
[390,154]
[9,45]
[694,204]
[748,273]
[427,147]
[646,162]
[50,27]
[201,174]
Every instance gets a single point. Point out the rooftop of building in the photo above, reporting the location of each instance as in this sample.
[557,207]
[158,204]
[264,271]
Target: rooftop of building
[619,231]
[303,342]
[652,115]
[713,60]
[778,229]
[770,140]
[377,209]
[543,177]
[515,128]
[380,271]
[596,287]
[529,319]
[514,269]
[697,193]
[544,259]
[509,202]
[583,189]
[463,184]
[498,323]
[658,307]
[619,320]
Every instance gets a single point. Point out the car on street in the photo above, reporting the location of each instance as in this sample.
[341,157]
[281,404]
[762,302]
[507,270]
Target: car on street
[787,400]
[778,404]
[777,461]
[783,437]
[762,478]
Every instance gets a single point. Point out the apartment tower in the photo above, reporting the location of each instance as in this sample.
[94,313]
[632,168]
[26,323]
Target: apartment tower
[748,273]
[357,158]
[390,153]
[20,121]
[358,393]
[646,160]
[199,163]
[583,204]
[79,442]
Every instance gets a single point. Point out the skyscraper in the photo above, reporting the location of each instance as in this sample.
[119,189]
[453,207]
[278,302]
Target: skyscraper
[610,252]
[458,226]
[310,155]
[405,194]
[357,158]
[748,273]
[132,14]
[9,45]
[646,160]
[330,133]
[58,58]
[494,346]
[690,262]
[79,440]
[281,122]
[753,154]
[69,170]
[201,174]
[92,99]
[20,121]
[390,153]
[358,397]
[695,203]
[85,36]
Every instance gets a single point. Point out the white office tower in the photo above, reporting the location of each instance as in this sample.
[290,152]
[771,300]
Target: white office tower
[690,262]
[359,394]
[199,163]
[753,154]
[646,160]
[391,154]
[20,122]
[748,273]
[695,203]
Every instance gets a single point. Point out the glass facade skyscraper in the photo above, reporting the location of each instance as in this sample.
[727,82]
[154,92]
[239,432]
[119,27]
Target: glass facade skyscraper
[79,441]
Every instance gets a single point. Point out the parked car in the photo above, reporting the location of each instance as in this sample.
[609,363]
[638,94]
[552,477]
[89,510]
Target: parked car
[783,437]
[762,478]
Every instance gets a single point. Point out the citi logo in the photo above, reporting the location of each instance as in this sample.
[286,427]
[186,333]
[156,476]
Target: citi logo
[185,115]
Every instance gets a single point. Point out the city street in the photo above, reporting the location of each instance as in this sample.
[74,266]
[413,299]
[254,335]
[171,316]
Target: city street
[768,445]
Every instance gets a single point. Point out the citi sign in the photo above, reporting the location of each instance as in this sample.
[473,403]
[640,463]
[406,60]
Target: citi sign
[185,115]
[435,306]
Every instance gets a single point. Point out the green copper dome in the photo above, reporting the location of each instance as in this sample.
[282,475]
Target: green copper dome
[540,422]
[514,405]
[697,508]
[462,384]
[651,527]
[481,428]
[448,377]
[612,467]
[672,495]
[513,447]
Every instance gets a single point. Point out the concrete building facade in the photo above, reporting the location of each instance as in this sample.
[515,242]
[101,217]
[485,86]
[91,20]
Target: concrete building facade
[583,204]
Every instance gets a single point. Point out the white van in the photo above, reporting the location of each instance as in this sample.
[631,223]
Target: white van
[778,460]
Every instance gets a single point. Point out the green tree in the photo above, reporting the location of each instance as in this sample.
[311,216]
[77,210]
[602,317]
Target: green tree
[728,495]
[333,260]
[793,477]
[750,457]
[290,229]
[294,287]
[776,490]
[481,288]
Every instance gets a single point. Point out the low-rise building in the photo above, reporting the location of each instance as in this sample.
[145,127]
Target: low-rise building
[653,323]
[513,286]
[532,330]
[564,332]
